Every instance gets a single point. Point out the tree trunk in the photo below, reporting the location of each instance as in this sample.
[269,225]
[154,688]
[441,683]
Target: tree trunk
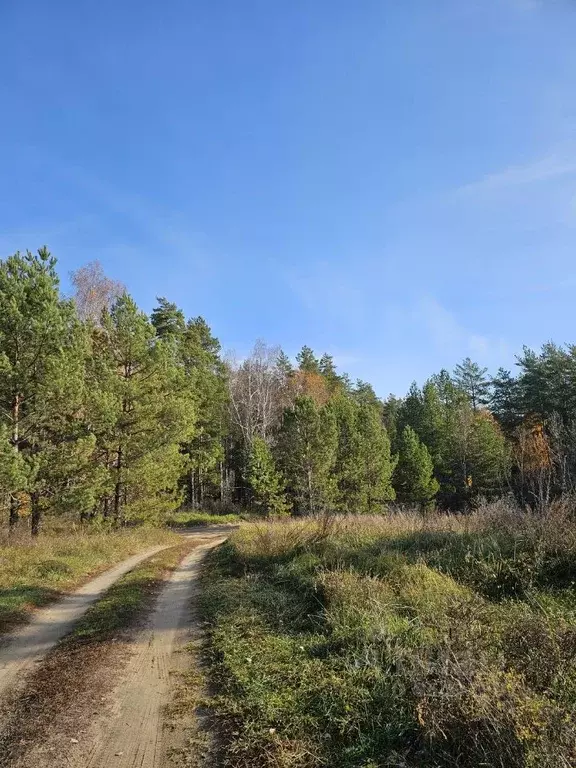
[191,489]
[14,503]
[118,487]
[14,506]
[36,514]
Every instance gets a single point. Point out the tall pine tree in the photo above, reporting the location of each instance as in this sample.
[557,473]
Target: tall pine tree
[473,380]
[265,481]
[307,446]
[150,414]
[40,373]
[414,479]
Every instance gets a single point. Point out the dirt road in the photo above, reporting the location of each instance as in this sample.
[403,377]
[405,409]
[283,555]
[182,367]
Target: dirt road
[124,729]
[133,737]
[21,650]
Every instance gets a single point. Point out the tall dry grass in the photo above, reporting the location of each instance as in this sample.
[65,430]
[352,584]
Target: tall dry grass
[398,640]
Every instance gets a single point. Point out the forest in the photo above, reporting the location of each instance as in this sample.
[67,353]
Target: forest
[110,415]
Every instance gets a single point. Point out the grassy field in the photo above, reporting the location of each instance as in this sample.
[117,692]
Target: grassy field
[192,519]
[34,572]
[397,641]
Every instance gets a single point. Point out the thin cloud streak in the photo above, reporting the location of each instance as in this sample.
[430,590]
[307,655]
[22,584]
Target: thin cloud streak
[446,333]
[553,166]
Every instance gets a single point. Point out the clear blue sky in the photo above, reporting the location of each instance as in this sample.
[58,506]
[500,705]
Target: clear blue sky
[390,181]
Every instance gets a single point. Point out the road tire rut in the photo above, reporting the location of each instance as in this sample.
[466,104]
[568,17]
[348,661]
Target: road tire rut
[132,736]
[21,650]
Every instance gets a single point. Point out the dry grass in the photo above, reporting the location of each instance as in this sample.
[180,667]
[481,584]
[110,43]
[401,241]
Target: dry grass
[34,572]
[398,641]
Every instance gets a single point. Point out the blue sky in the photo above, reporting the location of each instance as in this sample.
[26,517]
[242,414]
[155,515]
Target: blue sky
[391,182]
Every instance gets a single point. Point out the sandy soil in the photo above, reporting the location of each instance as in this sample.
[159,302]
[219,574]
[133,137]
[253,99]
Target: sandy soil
[133,736]
[21,650]
[112,713]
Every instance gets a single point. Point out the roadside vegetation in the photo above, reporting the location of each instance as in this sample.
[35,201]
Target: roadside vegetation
[34,572]
[397,640]
[194,518]
[344,632]
[74,680]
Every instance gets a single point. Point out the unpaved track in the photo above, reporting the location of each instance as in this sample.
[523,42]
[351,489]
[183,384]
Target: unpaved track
[21,650]
[132,736]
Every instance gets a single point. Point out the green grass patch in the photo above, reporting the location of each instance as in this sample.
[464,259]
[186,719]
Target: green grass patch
[129,598]
[193,519]
[377,642]
[36,572]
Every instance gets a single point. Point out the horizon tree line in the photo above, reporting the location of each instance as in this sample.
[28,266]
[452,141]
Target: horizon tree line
[107,413]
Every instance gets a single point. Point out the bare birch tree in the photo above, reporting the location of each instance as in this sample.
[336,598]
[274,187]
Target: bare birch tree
[256,393]
[94,291]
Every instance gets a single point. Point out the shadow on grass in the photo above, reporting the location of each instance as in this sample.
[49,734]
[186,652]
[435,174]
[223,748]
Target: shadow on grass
[16,603]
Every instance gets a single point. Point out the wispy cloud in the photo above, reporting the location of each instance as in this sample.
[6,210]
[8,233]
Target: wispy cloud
[556,164]
[166,234]
[447,334]
[168,231]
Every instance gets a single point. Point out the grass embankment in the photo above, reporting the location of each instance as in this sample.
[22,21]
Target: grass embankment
[193,519]
[35,572]
[397,642]
[71,685]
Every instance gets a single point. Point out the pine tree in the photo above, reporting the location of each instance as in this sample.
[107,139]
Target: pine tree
[506,400]
[58,454]
[206,375]
[547,382]
[168,320]
[12,469]
[149,412]
[450,395]
[307,361]
[348,469]
[40,371]
[363,467]
[431,429]
[489,457]
[473,380]
[265,481]
[414,479]
[284,365]
[327,369]
[376,462]
[411,410]
[475,459]
[390,418]
[307,445]
[364,393]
